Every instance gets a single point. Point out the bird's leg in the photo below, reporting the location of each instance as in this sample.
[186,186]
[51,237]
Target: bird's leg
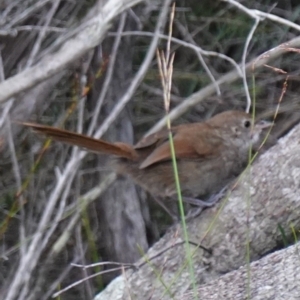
[193,213]
[212,200]
[201,204]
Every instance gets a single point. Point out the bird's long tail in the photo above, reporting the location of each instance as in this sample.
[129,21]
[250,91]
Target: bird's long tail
[92,144]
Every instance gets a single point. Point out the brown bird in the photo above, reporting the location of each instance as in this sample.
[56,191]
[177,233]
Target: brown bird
[209,154]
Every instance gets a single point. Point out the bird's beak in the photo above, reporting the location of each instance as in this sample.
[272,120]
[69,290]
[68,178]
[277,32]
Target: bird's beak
[262,124]
[258,127]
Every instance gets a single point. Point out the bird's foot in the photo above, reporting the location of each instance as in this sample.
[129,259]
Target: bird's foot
[212,200]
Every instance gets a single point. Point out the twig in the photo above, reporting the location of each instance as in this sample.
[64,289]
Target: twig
[27,12]
[42,34]
[109,73]
[84,201]
[254,13]
[83,280]
[249,38]
[17,174]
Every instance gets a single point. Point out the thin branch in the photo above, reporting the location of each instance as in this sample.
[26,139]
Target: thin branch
[109,73]
[254,13]
[83,280]
[249,38]
[26,13]
[42,34]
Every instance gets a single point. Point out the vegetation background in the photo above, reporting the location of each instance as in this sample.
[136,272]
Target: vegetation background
[59,206]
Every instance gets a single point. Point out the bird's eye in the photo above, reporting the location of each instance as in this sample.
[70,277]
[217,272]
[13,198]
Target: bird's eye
[247,123]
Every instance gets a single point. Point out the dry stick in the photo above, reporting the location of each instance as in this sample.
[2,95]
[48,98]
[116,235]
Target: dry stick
[108,76]
[104,263]
[249,38]
[9,104]
[137,266]
[47,232]
[243,8]
[26,13]
[38,28]
[39,240]
[2,75]
[84,201]
[254,13]
[83,280]
[56,283]
[82,251]
[17,175]
[69,32]
[78,236]
[42,33]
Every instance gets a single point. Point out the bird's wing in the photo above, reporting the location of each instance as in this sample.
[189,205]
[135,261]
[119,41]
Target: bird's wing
[193,141]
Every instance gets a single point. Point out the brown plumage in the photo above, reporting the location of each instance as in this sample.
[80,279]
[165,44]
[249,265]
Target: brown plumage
[209,154]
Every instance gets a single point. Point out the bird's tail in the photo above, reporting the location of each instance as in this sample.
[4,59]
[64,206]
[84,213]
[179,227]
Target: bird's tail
[80,140]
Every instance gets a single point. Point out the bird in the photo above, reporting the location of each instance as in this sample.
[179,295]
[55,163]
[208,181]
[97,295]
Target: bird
[209,155]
